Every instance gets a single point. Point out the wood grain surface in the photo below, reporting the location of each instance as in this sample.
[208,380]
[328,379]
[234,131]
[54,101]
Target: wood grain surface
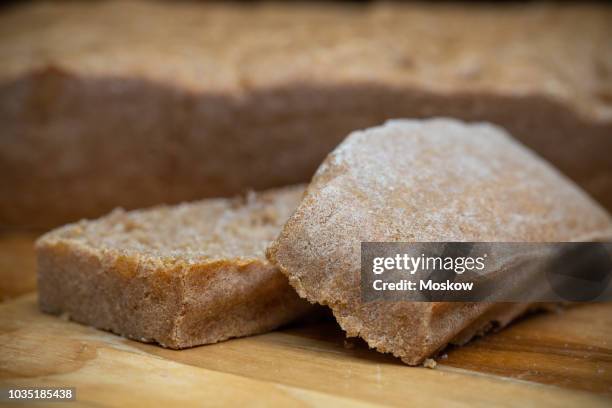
[549,359]
[17,264]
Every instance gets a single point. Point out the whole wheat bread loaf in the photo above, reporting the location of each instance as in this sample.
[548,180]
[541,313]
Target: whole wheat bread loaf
[179,276]
[138,103]
[422,181]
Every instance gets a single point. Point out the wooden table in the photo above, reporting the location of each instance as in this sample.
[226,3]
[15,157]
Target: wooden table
[554,359]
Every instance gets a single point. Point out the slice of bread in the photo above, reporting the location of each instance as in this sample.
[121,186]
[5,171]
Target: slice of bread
[422,181]
[179,276]
[98,110]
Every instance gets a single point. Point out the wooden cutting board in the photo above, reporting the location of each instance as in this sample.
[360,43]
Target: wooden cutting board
[554,359]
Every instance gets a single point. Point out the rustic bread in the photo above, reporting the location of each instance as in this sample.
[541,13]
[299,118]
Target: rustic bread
[419,181]
[179,276]
[137,103]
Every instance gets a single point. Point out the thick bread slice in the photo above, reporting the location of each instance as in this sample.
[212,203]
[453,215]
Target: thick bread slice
[179,276]
[131,104]
[413,181]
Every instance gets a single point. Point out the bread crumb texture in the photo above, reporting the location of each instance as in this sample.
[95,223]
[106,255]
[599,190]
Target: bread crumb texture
[419,181]
[180,276]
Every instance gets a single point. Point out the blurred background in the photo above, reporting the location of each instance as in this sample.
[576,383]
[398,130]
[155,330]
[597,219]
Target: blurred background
[130,104]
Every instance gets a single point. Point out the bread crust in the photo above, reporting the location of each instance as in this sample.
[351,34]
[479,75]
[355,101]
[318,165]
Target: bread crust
[106,274]
[130,116]
[420,181]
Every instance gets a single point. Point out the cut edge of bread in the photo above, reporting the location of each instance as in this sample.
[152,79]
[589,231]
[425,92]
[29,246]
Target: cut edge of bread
[175,302]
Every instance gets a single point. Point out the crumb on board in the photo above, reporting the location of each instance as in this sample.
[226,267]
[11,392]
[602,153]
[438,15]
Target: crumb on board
[430,363]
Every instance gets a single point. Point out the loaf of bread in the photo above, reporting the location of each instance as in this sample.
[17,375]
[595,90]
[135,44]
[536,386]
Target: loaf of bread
[179,276]
[424,181]
[131,104]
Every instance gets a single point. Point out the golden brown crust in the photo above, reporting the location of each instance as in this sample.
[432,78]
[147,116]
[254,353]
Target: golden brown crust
[138,103]
[419,181]
[179,276]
